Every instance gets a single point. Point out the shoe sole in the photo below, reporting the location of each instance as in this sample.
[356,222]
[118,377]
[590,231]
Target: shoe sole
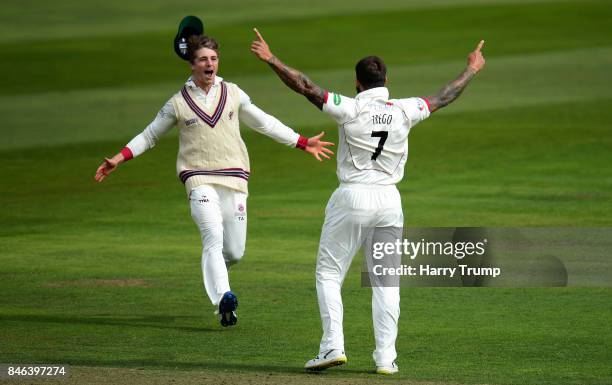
[227,310]
[386,372]
[228,319]
[335,362]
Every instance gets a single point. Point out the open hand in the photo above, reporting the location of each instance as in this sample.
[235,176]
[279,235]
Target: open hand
[475,59]
[318,148]
[108,166]
[260,48]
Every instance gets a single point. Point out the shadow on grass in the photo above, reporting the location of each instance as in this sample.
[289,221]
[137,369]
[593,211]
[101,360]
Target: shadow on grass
[162,322]
[236,367]
[155,322]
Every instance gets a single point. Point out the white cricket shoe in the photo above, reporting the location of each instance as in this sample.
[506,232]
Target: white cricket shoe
[387,369]
[326,360]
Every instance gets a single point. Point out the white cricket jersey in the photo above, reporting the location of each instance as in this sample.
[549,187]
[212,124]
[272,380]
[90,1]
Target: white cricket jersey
[373,134]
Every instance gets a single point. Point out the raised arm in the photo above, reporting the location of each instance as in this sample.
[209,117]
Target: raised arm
[293,78]
[452,90]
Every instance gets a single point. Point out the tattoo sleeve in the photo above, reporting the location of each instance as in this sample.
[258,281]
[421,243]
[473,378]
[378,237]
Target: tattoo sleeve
[451,91]
[298,82]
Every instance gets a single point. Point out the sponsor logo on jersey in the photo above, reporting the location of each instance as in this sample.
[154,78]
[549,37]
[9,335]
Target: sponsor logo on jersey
[420,105]
[230,115]
[381,107]
[337,99]
[241,207]
[189,122]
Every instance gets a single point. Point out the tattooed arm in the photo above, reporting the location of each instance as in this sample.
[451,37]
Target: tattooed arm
[293,78]
[452,90]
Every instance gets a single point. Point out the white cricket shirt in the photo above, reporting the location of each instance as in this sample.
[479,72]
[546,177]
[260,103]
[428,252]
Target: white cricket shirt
[373,134]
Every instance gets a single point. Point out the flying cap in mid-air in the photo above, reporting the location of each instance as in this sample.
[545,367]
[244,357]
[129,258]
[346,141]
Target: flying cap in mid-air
[189,26]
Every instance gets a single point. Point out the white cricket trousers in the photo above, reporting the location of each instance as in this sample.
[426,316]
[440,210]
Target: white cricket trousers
[351,215]
[221,216]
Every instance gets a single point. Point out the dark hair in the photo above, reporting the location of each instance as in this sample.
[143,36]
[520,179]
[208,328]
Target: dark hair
[195,42]
[371,72]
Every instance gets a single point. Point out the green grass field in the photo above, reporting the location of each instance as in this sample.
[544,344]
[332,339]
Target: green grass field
[107,277]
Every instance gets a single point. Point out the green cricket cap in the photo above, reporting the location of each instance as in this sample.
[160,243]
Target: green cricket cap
[189,26]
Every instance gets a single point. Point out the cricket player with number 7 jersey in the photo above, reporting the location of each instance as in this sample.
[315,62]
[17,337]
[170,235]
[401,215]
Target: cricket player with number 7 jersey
[372,153]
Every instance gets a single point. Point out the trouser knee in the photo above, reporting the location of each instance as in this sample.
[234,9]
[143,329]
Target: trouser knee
[387,297]
[233,253]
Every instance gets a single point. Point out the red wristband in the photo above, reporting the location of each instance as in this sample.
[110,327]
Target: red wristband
[302,142]
[427,102]
[127,153]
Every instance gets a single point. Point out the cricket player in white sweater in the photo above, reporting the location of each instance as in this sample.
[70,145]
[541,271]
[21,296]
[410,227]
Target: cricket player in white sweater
[372,153]
[213,162]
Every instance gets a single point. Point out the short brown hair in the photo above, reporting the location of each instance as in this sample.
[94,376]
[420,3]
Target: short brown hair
[371,72]
[195,42]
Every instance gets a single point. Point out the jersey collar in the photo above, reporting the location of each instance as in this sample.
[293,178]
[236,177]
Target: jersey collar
[374,93]
[191,84]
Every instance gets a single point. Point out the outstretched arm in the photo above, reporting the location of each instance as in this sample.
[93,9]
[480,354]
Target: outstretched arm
[452,90]
[268,125]
[164,121]
[293,78]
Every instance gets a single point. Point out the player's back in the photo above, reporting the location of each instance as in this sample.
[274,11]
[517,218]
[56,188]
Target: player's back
[373,135]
